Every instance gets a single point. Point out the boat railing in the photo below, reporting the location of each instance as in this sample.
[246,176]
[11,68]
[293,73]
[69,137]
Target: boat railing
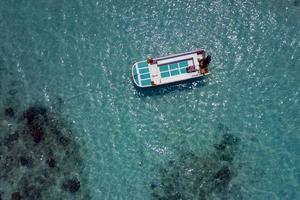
[180,54]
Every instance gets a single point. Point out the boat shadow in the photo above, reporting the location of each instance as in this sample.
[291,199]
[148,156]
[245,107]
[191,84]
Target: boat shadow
[168,88]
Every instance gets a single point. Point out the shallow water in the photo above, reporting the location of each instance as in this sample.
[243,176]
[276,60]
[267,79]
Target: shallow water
[74,58]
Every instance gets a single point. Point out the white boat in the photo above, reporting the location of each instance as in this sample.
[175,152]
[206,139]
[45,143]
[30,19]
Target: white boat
[170,69]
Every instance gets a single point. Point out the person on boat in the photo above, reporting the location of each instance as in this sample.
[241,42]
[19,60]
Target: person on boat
[153,83]
[150,60]
[191,69]
[201,52]
[203,64]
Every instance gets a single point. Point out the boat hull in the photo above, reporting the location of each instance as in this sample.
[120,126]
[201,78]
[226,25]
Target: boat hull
[168,69]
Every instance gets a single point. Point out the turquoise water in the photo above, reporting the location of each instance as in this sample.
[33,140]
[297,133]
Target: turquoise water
[74,57]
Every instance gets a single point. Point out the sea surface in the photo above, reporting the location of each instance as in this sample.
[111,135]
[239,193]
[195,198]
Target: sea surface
[233,135]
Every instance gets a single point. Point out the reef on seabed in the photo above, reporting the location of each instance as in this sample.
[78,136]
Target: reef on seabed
[200,176]
[39,156]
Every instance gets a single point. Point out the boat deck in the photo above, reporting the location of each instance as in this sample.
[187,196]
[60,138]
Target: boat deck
[166,69]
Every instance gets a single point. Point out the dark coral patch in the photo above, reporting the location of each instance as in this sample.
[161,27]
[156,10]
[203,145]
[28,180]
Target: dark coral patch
[11,138]
[227,147]
[223,176]
[220,147]
[37,133]
[36,119]
[33,114]
[51,162]
[32,192]
[9,111]
[227,141]
[16,196]
[230,139]
[227,157]
[194,176]
[222,128]
[153,186]
[26,161]
[72,185]
[64,140]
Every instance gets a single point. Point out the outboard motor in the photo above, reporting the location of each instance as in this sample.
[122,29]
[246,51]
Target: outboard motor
[207,60]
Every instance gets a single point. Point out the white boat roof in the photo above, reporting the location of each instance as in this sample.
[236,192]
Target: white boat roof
[167,69]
